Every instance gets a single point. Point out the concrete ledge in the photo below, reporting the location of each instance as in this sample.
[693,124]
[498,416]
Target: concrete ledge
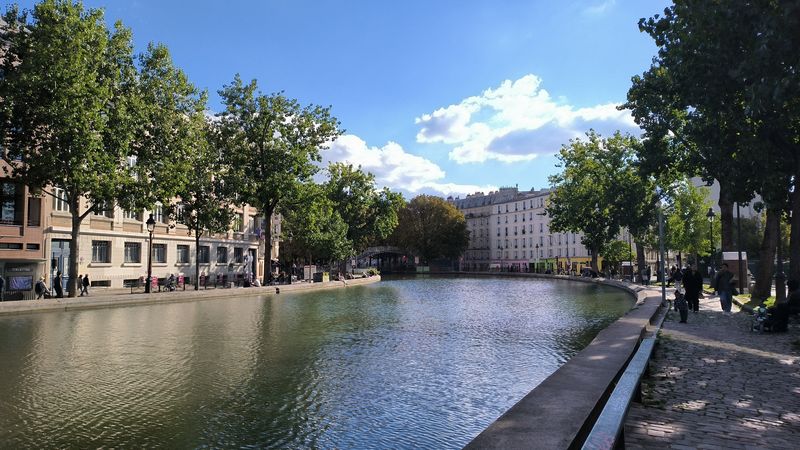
[560,412]
[114,300]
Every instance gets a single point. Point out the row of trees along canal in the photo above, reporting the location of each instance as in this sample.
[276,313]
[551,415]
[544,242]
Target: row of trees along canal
[721,101]
[82,116]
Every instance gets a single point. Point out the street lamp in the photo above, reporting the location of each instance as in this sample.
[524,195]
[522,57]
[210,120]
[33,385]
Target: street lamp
[710,214]
[151,226]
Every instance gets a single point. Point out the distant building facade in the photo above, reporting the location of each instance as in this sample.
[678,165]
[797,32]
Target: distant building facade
[510,231]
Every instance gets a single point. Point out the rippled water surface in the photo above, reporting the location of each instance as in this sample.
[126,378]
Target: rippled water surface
[425,362]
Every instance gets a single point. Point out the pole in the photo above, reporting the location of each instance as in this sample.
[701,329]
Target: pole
[780,277]
[630,255]
[739,248]
[661,251]
[147,287]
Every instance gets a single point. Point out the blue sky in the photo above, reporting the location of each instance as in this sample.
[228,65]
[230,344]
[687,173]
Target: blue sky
[438,97]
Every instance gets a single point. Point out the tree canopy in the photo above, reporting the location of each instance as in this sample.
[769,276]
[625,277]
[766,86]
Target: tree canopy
[431,228]
[78,117]
[272,142]
[599,190]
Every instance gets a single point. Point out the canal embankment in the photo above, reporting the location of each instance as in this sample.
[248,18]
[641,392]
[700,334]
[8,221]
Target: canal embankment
[123,298]
[560,411]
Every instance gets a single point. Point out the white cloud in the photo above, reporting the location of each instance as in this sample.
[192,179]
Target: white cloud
[599,8]
[396,168]
[517,121]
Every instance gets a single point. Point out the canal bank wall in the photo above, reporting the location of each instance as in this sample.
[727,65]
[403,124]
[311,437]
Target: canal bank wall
[122,298]
[560,412]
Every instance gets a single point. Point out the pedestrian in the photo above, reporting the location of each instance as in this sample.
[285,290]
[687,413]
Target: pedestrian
[41,289]
[677,278]
[2,288]
[693,285]
[58,286]
[723,286]
[647,274]
[681,305]
[85,285]
[79,284]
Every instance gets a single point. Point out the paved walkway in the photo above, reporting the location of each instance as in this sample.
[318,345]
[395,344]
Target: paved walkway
[714,384]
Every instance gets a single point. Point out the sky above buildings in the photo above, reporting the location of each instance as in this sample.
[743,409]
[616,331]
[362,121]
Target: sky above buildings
[444,97]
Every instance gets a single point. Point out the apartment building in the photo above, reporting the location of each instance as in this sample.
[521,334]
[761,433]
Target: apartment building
[114,243]
[22,253]
[509,230]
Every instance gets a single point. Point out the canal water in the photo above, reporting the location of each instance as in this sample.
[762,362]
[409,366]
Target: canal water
[405,363]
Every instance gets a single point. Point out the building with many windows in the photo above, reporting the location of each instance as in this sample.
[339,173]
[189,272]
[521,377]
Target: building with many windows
[509,230]
[113,246]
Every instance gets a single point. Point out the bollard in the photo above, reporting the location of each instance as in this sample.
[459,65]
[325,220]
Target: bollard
[277,290]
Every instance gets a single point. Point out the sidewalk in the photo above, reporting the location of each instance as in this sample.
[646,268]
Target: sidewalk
[121,297]
[714,384]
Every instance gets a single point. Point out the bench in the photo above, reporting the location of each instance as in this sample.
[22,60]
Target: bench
[609,429]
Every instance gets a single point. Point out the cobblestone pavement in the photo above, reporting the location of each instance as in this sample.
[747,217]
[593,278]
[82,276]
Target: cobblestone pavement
[714,384]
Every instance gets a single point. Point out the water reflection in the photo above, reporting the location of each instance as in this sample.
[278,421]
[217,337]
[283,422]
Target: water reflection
[405,363]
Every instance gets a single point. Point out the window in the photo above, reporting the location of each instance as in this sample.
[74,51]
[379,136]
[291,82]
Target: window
[133,252]
[10,246]
[133,215]
[32,246]
[541,227]
[183,253]
[238,223]
[238,255]
[104,209]
[60,200]
[101,252]
[11,203]
[222,255]
[160,253]
[158,213]
[203,254]
[34,211]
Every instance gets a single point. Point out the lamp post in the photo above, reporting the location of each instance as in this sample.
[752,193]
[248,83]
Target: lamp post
[710,214]
[780,277]
[537,258]
[151,226]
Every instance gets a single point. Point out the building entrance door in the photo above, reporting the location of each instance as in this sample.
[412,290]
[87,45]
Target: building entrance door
[59,261]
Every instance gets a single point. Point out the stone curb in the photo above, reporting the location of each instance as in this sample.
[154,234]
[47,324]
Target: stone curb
[114,300]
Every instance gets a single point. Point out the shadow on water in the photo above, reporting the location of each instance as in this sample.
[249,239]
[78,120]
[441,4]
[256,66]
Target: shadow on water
[422,362]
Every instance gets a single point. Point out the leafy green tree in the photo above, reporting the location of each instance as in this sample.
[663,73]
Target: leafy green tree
[692,110]
[686,229]
[431,228]
[615,252]
[65,118]
[370,214]
[317,230]
[205,200]
[596,190]
[272,142]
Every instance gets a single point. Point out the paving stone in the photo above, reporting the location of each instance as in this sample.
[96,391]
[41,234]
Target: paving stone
[714,384]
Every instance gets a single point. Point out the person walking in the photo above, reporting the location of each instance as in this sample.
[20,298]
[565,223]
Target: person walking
[85,285]
[722,284]
[681,305]
[41,289]
[693,285]
[58,286]
[2,288]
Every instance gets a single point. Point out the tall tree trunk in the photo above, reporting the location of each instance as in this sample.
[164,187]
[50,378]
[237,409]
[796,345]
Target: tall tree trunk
[794,238]
[267,244]
[726,217]
[594,259]
[74,250]
[640,257]
[196,258]
[766,266]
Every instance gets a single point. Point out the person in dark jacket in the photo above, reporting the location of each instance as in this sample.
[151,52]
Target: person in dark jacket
[58,286]
[723,285]
[85,285]
[693,284]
